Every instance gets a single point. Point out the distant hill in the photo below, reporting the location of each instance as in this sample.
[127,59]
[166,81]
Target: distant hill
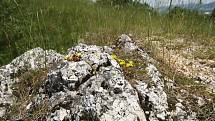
[203,8]
[208,7]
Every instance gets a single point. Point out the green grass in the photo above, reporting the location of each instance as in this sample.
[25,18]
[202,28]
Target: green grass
[58,25]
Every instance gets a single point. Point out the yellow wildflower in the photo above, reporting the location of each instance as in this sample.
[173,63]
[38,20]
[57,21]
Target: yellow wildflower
[121,62]
[114,56]
[129,64]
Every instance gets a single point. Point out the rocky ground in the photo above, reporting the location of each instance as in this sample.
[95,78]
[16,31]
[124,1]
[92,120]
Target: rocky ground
[116,83]
[185,58]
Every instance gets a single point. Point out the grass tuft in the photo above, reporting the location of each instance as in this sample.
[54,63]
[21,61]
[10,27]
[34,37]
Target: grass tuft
[24,91]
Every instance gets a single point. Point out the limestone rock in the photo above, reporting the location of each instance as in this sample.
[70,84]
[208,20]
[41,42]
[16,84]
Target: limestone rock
[2,111]
[153,99]
[152,96]
[31,60]
[60,115]
[183,115]
[93,88]
[126,42]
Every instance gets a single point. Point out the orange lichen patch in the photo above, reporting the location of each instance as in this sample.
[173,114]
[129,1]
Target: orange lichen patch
[75,57]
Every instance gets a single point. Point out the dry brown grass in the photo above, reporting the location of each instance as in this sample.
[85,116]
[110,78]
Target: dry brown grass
[24,91]
[181,82]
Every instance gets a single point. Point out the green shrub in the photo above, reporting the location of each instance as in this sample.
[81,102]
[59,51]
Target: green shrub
[115,2]
[181,12]
[213,13]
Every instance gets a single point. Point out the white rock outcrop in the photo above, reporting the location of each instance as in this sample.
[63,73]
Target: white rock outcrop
[92,87]
[31,60]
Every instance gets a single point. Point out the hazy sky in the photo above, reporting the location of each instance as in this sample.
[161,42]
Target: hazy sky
[166,2]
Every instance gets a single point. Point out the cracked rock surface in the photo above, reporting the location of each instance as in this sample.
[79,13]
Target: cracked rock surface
[93,88]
